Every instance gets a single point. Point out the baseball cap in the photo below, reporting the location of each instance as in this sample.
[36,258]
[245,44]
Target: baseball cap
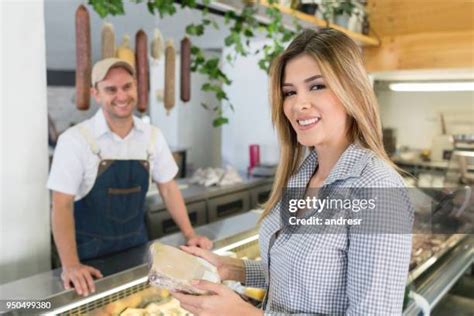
[102,67]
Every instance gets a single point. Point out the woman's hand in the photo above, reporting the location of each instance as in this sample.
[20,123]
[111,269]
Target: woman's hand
[228,268]
[222,301]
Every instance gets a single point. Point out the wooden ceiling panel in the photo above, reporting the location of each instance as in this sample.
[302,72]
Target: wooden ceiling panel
[400,17]
[422,51]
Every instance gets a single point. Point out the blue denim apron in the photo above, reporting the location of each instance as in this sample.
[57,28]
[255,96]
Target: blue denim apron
[111,217]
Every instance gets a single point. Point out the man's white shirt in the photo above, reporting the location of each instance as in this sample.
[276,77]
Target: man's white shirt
[74,168]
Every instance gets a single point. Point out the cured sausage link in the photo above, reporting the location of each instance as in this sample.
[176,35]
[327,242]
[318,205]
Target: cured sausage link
[141,53]
[170,57]
[185,69]
[83,58]
[108,41]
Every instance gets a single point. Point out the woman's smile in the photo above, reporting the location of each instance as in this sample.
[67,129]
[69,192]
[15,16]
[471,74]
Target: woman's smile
[307,122]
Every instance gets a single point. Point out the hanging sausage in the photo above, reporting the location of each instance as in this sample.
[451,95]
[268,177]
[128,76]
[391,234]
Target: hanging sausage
[170,56]
[156,53]
[108,40]
[156,49]
[83,58]
[185,80]
[141,53]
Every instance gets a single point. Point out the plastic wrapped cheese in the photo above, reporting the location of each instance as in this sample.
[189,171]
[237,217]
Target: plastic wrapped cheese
[174,269]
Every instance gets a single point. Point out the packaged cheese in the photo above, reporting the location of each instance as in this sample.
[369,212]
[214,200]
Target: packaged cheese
[173,269]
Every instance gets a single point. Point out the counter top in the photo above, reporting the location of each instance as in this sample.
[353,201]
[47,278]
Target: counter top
[125,266]
[443,165]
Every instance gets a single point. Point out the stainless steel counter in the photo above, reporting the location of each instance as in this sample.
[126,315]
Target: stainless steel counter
[119,269]
[441,277]
[194,192]
[436,165]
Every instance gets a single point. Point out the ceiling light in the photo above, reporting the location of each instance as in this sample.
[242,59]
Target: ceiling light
[432,86]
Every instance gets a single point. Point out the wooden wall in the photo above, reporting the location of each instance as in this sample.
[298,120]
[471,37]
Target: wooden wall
[421,34]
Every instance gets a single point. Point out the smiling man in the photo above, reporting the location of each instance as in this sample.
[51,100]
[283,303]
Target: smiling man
[100,175]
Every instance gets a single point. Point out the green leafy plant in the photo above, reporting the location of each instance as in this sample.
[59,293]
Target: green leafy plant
[106,7]
[242,28]
[345,7]
[333,8]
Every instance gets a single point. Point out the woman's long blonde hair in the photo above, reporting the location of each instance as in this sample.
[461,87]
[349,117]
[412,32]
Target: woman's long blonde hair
[341,65]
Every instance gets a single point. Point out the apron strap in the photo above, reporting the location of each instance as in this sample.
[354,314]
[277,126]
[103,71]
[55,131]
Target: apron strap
[152,144]
[150,152]
[90,140]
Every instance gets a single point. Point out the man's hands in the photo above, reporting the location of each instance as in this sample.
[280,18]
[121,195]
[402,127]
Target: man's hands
[198,241]
[80,276]
[74,273]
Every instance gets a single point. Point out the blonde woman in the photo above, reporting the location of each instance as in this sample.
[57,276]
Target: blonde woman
[322,103]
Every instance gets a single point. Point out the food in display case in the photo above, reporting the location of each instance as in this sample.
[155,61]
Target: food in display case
[424,246]
[428,248]
[436,228]
[148,302]
[171,308]
[134,312]
[255,293]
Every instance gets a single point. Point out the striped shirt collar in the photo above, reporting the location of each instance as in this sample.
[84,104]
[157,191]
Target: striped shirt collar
[101,127]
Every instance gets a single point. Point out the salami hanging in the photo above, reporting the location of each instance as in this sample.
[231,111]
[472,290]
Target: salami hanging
[185,79]
[170,57]
[141,55]
[83,58]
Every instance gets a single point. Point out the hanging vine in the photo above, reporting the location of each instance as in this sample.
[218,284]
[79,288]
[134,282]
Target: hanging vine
[242,28]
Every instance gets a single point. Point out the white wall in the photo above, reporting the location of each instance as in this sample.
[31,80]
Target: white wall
[62,107]
[195,130]
[251,121]
[166,121]
[416,115]
[188,125]
[24,212]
